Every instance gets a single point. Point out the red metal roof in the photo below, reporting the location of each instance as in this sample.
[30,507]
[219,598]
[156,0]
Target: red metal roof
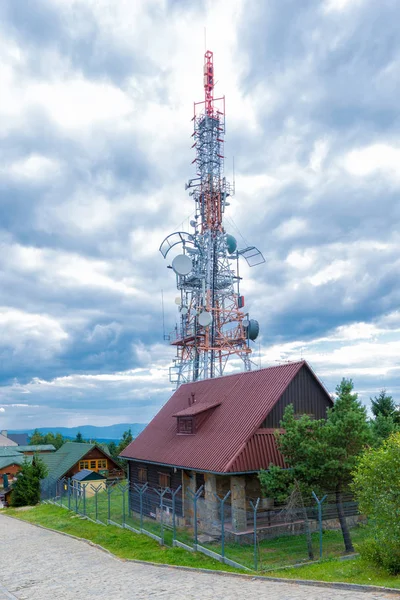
[229,441]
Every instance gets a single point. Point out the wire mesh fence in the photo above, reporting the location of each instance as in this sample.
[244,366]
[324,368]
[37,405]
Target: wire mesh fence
[249,534]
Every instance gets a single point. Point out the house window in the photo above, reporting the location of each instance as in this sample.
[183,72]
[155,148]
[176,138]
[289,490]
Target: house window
[102,464]
[185,425]
[164,480]
[142,475]
[92,464]
[84,464]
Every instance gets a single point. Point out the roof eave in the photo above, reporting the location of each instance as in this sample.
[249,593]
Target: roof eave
[187,468]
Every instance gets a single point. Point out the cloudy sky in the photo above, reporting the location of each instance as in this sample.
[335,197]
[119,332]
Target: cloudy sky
[95,112]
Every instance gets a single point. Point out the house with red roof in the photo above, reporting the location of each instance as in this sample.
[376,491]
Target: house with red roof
[219,433]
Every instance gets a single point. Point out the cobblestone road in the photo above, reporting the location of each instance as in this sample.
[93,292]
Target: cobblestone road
[36,564]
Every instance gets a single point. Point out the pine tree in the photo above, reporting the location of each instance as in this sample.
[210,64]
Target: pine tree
[26,490]
[323,453]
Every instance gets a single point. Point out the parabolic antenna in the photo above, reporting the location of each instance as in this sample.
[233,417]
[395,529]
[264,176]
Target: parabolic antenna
[184,310]
[182,265]
[178,300]
[205,318]
[245,322]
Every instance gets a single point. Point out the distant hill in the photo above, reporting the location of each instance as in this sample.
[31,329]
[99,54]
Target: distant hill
[90,432]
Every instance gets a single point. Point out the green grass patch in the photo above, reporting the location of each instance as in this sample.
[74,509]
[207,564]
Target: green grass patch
[127,545]
[354,570]
[290,549]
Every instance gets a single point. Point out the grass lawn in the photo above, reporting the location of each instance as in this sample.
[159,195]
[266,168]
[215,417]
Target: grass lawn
[290,549]
[354,570]
[126,544]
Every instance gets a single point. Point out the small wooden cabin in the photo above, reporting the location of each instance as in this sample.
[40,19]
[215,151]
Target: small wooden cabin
[90,480]
[219,433]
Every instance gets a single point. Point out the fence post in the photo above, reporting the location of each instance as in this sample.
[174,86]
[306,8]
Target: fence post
[196,496]
[76,498]
[222,512]
[255,508]
[123,504]
[173,512]
[319,503]
[161,496]
[109,492]
[84,500]
[141,490]
[69,493]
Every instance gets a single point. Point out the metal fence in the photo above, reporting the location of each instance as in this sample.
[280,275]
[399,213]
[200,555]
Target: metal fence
[261,538]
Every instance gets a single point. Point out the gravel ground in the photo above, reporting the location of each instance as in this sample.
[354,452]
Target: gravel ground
[36,564]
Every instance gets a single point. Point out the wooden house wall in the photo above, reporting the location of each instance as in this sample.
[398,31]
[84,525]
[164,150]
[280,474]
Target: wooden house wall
[150,495]
[305,394]
[11,470]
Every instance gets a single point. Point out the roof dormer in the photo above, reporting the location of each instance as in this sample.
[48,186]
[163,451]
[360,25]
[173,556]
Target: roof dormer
[190,419]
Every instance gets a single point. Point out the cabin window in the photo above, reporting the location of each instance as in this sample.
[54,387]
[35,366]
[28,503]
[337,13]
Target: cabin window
[84,464]
[102,464]
[185,425]
[164,480]
[92,464]
[142,475]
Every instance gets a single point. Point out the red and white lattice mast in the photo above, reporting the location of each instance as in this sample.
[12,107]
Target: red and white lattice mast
[213,325]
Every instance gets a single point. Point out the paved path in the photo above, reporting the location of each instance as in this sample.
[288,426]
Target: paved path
[36,564]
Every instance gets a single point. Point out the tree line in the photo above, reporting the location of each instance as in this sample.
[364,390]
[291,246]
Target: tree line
[57,440]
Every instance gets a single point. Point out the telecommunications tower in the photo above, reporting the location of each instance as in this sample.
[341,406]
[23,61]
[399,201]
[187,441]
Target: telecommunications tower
[213,324]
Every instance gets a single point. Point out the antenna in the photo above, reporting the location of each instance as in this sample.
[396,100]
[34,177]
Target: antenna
[165,336]
[213,324]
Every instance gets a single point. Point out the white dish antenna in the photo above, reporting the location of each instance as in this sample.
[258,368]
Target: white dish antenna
[245,322]
[178,300]
[205,318]
[184,311]
[182,265]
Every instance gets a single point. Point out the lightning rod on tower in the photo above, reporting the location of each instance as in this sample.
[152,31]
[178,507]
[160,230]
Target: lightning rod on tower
[213,325]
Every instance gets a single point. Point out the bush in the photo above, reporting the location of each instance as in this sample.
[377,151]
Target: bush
[382,554]
[377,489]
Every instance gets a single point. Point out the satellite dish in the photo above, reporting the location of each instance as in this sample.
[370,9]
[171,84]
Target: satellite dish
[184,310]
[182,265]
[245,322]
[178,300]
[205,318]
[193,223]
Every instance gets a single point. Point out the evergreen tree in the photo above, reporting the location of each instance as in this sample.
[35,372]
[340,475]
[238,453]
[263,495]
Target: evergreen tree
[113,449]
[26,490]
[347,434]
[125,441]
[79,437]
[384,405]
[323,453]
[387,417]
[38,439]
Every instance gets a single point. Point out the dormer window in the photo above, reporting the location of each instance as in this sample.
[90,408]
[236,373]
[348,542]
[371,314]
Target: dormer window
[192,418]
[185,425]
